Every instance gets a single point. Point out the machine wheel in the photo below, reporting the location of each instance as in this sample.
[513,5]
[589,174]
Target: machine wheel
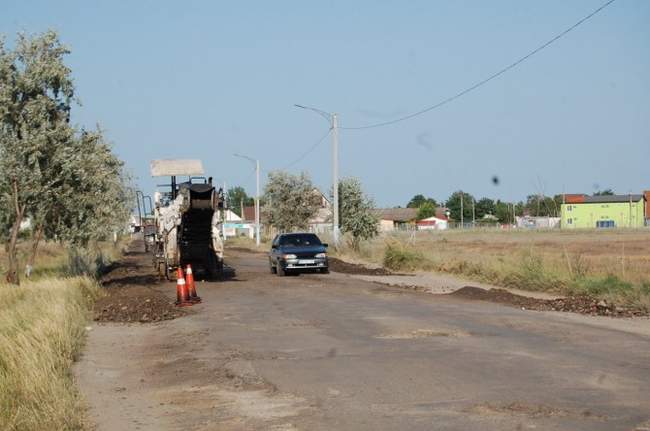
[215,267]
[280,271]
[324,270]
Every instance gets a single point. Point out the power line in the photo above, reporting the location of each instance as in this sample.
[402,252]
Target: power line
[309,150]
[486,80]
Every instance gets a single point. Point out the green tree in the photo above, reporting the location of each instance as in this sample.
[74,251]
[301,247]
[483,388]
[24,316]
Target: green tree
[36,93]
[453,203]
[485,206]
[542,206]
[418,200]
[69,183]
[426,210]
[237,197]
[290,201]
[606,192]
[355,209]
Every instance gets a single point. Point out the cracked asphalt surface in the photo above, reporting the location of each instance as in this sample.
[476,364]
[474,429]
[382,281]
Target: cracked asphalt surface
[331,352]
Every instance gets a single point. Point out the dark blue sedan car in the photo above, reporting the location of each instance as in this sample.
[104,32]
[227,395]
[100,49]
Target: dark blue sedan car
[298,252]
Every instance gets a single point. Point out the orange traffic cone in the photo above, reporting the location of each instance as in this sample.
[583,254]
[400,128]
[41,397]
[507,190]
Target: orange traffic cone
[182,294]
[191,286]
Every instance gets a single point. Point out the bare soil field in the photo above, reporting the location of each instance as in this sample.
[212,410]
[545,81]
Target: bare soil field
[610,264]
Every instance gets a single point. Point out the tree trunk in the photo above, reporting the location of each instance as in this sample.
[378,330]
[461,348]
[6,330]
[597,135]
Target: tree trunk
[38,235]
[12,276]
[12,255]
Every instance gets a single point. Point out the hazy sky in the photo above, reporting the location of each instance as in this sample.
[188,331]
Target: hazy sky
[205,79]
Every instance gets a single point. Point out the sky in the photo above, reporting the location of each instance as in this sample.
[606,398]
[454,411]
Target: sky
[206,79]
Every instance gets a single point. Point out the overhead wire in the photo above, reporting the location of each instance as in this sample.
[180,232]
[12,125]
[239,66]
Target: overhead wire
[309,150]
[488,79]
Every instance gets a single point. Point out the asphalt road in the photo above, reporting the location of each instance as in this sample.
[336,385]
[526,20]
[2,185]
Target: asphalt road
[329,352]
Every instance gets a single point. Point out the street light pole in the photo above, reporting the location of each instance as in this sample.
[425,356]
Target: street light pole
[335,178]
[257,196]
[257,204]
[332,119]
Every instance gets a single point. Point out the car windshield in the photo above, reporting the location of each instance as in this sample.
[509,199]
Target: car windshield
[300,240]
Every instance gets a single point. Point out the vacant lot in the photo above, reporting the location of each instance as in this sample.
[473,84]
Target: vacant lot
[612,264]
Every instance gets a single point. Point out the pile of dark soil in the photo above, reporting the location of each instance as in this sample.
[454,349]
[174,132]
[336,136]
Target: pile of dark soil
[135,304]
[575,304]
[338,265]
[133,292]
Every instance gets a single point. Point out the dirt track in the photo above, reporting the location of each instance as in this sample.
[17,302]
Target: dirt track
[336,353]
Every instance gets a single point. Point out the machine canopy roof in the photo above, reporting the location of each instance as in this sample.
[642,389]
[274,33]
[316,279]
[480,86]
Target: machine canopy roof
[175,167]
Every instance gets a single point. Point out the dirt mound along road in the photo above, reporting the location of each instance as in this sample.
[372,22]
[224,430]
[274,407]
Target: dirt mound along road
[133,292]
[574,304]
[338,265]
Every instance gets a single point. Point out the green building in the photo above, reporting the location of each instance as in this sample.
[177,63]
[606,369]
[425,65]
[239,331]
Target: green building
[588,212]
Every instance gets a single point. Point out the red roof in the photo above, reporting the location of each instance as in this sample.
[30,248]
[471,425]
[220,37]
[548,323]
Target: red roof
[574,199]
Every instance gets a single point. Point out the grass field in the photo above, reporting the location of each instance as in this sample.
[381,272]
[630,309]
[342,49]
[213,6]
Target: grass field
[611,264]
[42,328]
[41,331]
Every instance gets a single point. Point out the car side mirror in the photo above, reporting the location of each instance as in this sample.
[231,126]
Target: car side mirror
[325,245]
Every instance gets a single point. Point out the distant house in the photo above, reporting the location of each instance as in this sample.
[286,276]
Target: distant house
[396,218]
[322,221]
[541,222]
[609,211]
[433,223]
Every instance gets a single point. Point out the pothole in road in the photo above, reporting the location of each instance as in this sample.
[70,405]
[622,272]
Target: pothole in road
[533,411]
[423,333]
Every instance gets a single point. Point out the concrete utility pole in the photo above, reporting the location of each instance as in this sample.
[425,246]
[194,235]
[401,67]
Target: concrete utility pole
[473,212]
[223,213]
[332,119]
[257,204]
[257,196]
[335,177]
[462,223]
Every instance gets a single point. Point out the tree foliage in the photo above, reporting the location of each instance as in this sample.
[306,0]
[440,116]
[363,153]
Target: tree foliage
[453,203]
[355,209]
[606,192]
[237,197]
[543,206]
[426,209]
[290,201]
[418,200]
[485,206]
[66,181]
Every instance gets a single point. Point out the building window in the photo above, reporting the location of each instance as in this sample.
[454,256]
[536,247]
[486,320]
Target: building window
[569,221]
[568,208]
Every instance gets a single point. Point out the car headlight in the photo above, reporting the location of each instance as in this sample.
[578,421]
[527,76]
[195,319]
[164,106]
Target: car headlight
[321,255]
[289,256]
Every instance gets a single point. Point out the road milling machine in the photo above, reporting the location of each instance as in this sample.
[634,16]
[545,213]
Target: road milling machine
[188,217]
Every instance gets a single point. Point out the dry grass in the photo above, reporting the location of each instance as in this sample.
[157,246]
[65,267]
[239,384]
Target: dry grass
[41,331]
[613,264]
[59,260]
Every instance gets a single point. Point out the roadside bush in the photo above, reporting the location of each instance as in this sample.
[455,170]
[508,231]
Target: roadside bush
[397,257]
[614,290]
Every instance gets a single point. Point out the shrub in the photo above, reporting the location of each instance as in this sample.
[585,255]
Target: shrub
[397,258]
